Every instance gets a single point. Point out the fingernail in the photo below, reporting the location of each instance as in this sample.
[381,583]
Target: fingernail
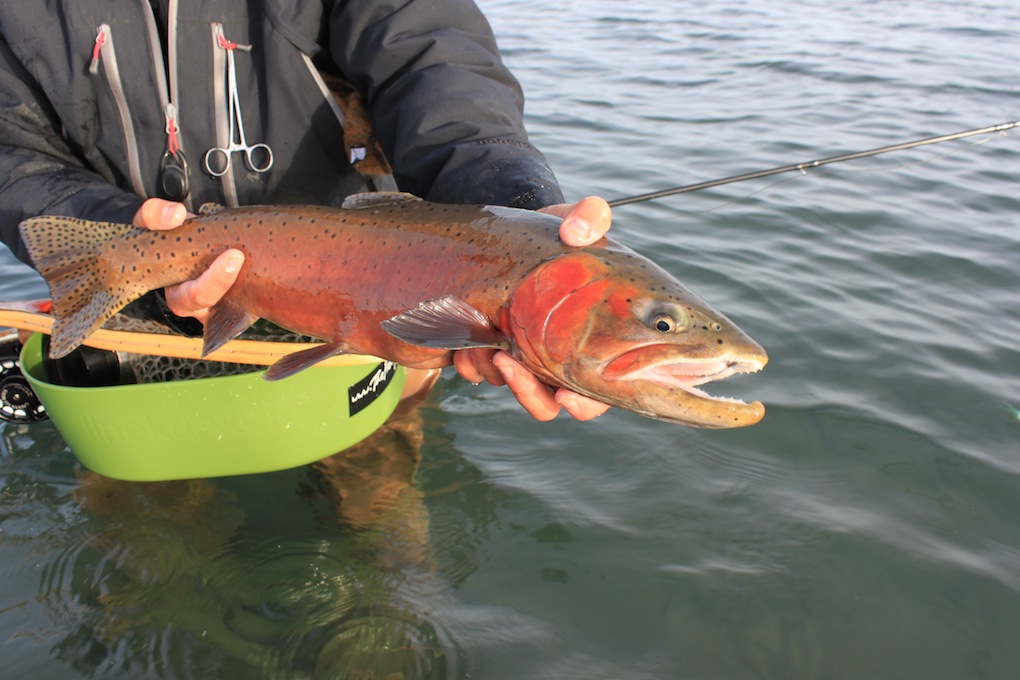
[173,213]
[233,263]
[582,229]
[506,369]
[568,402]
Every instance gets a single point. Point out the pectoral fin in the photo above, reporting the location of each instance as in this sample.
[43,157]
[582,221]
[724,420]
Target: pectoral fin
[445,323]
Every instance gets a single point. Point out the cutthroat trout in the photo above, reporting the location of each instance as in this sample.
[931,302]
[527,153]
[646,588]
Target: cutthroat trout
[406,280]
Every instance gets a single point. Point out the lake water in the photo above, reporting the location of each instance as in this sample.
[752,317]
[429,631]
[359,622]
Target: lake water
[869,527]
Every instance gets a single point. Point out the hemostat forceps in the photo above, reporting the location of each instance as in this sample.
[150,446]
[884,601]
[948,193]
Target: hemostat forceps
[258,157]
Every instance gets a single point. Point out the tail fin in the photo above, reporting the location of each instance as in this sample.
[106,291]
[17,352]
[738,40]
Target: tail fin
[68,252]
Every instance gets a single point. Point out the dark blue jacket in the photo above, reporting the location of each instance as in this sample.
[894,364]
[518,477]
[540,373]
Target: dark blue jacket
[86,87]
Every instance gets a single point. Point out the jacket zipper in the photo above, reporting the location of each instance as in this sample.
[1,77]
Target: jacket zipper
[168,94]
[171,48]
[324,89]
[105,56]
[156,53]
[227,185]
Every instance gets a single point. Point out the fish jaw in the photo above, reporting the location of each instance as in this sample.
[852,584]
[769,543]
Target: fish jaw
[661,374]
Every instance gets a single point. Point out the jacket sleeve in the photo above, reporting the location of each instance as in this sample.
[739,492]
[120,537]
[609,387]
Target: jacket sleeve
[39,172]
[448,112]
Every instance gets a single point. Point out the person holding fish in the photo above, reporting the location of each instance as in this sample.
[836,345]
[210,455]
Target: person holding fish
[143,113]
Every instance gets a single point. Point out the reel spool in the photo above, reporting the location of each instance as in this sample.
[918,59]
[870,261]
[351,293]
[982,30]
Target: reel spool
[18,401]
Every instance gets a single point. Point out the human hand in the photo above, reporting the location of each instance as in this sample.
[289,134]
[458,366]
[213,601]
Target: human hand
[583,223]
[196,297]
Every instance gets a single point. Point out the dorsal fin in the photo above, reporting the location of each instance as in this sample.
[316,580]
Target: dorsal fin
[378,199]
[211,208]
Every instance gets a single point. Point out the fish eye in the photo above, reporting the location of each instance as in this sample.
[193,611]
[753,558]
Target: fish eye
[668,321]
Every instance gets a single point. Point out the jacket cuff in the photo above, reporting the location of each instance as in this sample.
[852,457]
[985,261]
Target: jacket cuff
[497,172]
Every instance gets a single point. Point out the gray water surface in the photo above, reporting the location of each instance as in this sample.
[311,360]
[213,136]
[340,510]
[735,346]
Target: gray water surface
[868,527]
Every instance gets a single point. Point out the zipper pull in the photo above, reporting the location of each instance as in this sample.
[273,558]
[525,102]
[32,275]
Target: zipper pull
[96,49]
[173,174]
[173,141]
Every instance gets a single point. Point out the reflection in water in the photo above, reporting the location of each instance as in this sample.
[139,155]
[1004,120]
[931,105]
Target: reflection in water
[193,579]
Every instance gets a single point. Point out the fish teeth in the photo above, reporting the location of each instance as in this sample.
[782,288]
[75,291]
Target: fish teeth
[688,375]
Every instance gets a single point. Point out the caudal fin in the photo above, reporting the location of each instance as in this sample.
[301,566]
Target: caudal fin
[68,252]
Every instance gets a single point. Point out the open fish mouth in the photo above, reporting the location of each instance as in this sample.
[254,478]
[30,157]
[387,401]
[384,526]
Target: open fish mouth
[660,365]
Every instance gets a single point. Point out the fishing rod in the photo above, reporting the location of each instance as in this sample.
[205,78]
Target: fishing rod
[812,164]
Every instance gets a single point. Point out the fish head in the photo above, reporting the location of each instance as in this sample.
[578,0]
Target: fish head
[610,324]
